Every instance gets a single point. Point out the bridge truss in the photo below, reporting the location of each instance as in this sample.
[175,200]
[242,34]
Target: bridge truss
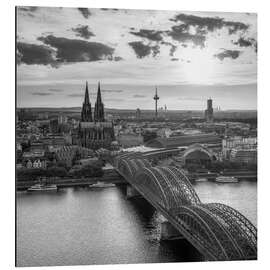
[218,231]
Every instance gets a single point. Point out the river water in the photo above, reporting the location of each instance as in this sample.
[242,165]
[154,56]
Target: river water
[100,226]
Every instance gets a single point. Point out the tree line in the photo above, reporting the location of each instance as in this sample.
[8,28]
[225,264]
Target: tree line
[93,170]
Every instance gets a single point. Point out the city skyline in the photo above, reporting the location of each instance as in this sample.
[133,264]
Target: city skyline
[190,56]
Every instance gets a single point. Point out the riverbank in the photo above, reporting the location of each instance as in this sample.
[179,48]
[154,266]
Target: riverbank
[111,177]
[244,175]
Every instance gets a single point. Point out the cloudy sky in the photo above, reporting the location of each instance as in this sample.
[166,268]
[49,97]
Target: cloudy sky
[189,56]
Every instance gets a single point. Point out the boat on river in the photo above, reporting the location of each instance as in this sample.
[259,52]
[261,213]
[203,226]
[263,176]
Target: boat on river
[99,184]
[226,179]
[201,180]
[42,187]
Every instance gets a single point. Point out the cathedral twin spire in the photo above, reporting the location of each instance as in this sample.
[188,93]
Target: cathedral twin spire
[86,114]
[99,107]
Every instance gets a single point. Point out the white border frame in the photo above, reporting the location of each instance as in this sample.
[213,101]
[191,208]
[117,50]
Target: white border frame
[7,194]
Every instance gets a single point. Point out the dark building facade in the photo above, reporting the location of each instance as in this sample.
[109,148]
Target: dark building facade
[209,112]
[138,113]
[94,131]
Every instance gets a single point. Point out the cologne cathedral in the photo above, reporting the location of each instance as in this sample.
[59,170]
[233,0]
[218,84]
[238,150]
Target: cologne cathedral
[94,131]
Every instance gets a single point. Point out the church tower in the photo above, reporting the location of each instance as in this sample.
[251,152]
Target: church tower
[94,132]
[86,114]
[99,108]
[209,112]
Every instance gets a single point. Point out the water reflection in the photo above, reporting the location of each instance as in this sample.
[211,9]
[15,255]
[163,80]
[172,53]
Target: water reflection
[100,226]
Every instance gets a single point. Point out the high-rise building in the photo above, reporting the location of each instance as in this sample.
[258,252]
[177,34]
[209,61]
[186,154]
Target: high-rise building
[138,113]
[94,132]
[209,112]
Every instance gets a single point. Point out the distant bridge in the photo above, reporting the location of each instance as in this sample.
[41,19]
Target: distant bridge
[217,231]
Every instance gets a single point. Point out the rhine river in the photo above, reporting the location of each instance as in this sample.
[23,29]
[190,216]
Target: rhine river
[100,226]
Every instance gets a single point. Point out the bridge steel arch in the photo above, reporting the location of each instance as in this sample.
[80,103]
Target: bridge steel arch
[148,180]
[239,226]
[124,167]
[227,239]
[177,190]
[137,164]
[218,231]
[182,179]
[204,231]
[129,166]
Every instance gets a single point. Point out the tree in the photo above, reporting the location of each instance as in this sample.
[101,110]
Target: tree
[25,146]
[252,167]
[76,157]
[61,164]
[192,167]
[30,174]
[149,135]
[93,170]
[56,172]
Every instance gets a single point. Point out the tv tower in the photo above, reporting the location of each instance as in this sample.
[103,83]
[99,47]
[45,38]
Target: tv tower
[156,98]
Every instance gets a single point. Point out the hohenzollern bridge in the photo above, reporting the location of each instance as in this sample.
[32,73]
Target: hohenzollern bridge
[217,231]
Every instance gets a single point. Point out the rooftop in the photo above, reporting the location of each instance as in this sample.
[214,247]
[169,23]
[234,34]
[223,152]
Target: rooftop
[183,140]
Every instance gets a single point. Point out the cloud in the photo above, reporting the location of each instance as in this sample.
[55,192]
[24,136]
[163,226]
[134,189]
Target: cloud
[139,96]
[28,9]
[117,58]
[246,42]
[211,24]
[172,50]
[76,95]
[85,12]
[114,99]
[94,93]
[233,54]
[91,94]
[181,34]
[155,50]
[149,34]
[55,90]
[107,9]
[173,47]
[156,36]
[74,50]
[41,94]
[112,91]
[194,28]
[141,50]
[83,31]
[31,54]
[190,98]
[235,26]
[256,47]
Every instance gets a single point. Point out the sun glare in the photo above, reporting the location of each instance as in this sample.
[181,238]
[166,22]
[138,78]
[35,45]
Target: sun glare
[199,68]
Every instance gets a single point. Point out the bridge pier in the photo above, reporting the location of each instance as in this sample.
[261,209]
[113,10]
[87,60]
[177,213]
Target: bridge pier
[168,232]
[131,192]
